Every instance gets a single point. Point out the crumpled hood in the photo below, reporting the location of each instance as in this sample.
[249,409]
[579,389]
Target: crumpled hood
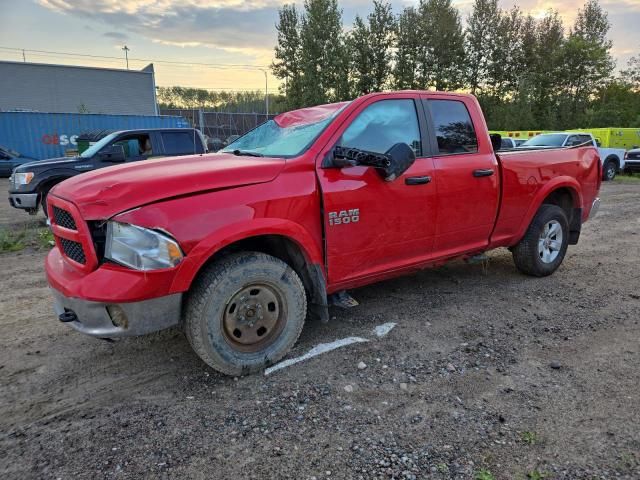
[102,193]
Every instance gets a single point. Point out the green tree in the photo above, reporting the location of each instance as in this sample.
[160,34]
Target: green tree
[286,65]
[407,50]
[483,26]
[632,73]
[322,57]
[361,57]
[382,30]
[370,45]
[441,55]
[586,57]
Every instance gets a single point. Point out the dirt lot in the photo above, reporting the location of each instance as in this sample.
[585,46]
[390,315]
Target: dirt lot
[462,388]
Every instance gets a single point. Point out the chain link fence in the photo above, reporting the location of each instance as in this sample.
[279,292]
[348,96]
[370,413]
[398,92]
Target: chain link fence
[220,128]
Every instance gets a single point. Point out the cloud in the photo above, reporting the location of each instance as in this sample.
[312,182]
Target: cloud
[246,28]
[119,36]
[231,25]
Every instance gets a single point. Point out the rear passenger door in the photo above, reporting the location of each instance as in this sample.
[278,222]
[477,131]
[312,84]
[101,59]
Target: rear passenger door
[466,172]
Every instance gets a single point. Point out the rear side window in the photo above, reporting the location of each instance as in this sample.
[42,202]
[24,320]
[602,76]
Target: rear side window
[453,127]
[178,143]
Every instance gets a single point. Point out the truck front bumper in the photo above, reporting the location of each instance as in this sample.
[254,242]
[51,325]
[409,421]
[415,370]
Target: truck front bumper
[632,166]
[113,320]
[23,200]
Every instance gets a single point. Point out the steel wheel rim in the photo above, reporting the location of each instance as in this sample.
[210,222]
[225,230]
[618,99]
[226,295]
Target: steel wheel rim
[611,171]
[254,316]
[550,241]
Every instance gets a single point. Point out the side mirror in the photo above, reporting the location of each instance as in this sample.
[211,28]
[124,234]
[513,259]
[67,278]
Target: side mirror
[401,157]
[113,153]
[496,141]
[391,164]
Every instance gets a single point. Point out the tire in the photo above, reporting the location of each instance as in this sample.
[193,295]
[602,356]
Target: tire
[231,294]
[43,202]
[609,171]
[535,254]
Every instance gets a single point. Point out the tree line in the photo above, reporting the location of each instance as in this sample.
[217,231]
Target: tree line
[527,73]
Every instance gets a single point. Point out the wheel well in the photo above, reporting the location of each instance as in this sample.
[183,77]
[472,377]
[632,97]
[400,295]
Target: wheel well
[565,198]
[49,184]
[289,252]
[614,159]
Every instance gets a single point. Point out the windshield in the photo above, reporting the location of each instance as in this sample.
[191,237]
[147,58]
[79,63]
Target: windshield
[9,152]
[546,140]
[95,148]
[272,140]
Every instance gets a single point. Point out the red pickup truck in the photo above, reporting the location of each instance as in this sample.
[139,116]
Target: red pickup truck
[238,247]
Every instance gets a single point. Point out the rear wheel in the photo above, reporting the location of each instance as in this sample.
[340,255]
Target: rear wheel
[610,169]
[544,246]
[245,312]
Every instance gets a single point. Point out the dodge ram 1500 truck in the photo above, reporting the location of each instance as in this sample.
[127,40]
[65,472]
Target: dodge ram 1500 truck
[238,251]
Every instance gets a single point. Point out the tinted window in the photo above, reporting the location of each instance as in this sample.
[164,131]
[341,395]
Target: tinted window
[383,124]
[178,143]
[453,126]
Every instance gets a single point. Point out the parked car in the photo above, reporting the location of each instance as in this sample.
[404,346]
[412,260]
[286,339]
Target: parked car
[316,201]
[612,158]
[31,182]
[632,161]
[10,159]
[509,142]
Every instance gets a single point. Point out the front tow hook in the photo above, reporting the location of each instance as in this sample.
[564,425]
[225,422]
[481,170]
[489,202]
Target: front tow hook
[68,316]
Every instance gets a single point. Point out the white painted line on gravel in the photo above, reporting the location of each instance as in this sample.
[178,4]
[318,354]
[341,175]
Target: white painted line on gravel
[315,351]
[382,330]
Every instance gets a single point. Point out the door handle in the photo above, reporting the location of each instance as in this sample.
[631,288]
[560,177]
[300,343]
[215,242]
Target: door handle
[483,173]
[417,180]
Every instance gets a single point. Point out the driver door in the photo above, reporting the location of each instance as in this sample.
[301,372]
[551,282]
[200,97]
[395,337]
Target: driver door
[373,226]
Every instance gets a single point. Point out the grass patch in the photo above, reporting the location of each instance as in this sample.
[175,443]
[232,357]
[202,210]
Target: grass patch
[11,241]
[17,239]
[627,178]
[484,475]
[530,438]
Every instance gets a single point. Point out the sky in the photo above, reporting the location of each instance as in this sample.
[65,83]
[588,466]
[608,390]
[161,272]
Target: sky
[237,36]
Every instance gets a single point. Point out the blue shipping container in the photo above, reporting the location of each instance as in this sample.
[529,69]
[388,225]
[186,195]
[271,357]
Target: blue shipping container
[49,135]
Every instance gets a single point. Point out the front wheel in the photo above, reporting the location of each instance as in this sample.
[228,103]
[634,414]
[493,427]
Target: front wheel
[544,246]
[245,312]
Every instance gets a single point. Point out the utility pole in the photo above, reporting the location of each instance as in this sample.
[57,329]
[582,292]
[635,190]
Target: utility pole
[126,55]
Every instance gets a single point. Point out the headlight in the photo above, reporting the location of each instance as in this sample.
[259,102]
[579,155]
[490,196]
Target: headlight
[22,178]
[141,248]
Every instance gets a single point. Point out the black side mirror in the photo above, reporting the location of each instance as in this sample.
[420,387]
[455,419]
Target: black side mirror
[496,141]
[113,153]
[391,164]
[401,157]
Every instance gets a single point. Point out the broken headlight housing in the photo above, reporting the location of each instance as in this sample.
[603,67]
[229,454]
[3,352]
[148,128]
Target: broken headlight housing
[141,248]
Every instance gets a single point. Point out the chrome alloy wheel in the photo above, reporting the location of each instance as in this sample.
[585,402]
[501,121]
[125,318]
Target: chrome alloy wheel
[550,241]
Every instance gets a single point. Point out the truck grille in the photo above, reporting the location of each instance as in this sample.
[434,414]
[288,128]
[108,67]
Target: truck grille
[64,219]
[73,250]
[72,234]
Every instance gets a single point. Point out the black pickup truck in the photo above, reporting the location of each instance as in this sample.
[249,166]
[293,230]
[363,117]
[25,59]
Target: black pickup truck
[30,182]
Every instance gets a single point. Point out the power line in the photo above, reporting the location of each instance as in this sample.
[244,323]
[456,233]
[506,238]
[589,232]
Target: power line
[170,62]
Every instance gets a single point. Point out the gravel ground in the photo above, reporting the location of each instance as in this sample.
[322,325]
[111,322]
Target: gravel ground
[488,372]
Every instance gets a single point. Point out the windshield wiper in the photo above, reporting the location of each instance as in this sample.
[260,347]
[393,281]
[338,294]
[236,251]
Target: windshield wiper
[246,153]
